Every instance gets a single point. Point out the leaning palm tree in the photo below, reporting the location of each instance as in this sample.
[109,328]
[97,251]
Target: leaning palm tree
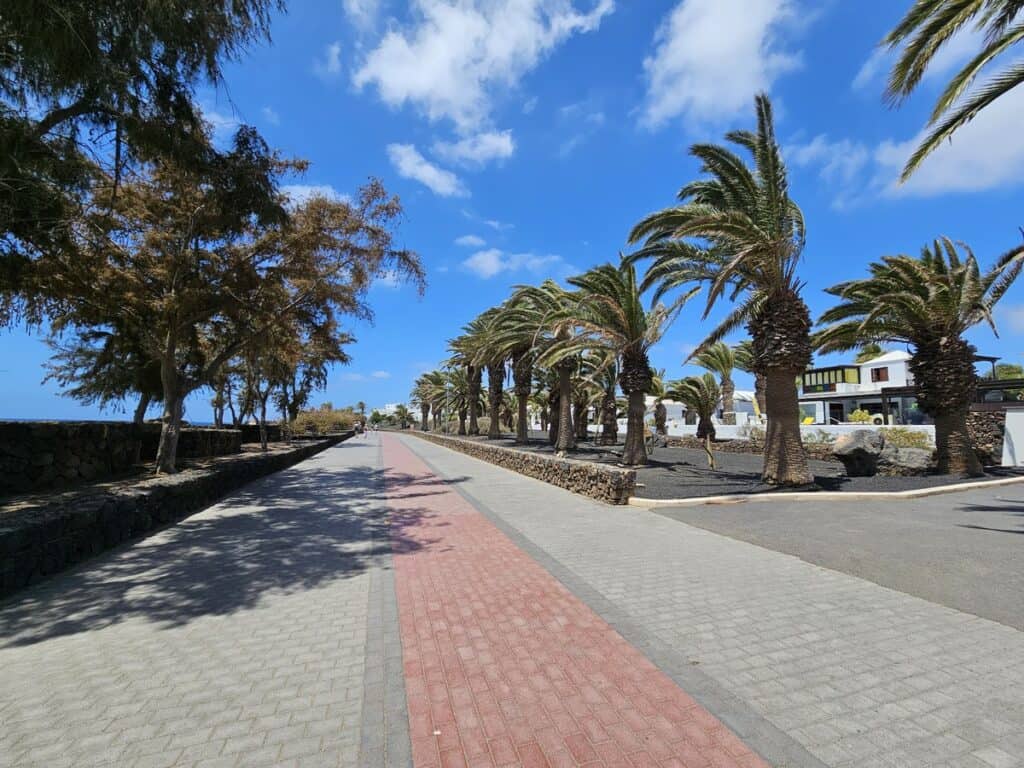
[749,237]
[702,395]
[611,317]
[721,359]
[743,353]
[927,302]
[926,28]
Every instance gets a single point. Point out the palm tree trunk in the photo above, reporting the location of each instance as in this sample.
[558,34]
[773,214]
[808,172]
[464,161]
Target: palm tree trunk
[555,411]
[523,420]
[580,418]
[566,440]
[728,401]
[635,451]
[425,411]
[495,384]
[661,418]
[474,375]
[954,448]
[785,462]
[609,422]
[462,421]
[759,393]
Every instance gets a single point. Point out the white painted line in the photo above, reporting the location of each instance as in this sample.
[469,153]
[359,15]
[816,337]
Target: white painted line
[636,501]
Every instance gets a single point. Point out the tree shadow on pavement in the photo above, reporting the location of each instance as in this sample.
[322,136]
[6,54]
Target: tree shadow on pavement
[1016,510]
[295,530]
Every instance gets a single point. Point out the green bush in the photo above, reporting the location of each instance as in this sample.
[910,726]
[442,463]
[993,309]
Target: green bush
[322,421]
[820,437]
[901,437]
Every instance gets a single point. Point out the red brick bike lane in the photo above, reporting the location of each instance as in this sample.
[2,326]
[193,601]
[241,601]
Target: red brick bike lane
[504,666]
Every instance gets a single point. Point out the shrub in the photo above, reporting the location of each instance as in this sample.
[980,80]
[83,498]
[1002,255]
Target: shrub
[322,421]
[820,437]
[901,437]
[860,416]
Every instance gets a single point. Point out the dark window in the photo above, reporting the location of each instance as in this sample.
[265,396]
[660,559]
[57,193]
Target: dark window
[879,374]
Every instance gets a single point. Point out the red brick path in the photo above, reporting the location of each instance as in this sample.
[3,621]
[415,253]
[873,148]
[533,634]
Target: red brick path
[505,667]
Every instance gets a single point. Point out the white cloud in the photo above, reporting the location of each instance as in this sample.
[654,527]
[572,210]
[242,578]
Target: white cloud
[499,226]
[471,241]
[381,375]
[410,164]
[329,66]
[712,56]
[478,149]
[223,125]
[362,13]
[299,193]
[585,118]
[487,264]
[271,116]
[987,153]
[450,59]
[530,105]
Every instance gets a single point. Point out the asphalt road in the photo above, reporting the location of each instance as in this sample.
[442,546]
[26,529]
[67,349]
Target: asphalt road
[962,550]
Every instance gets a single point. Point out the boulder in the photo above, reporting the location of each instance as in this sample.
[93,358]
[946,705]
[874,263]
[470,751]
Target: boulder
[859,451]
[904,462]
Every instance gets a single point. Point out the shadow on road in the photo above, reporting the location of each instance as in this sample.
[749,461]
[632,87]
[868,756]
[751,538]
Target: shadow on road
[1008,508]
[292,531]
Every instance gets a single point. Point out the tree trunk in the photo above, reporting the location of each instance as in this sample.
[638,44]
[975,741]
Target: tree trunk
[543,419]
[167,452]
[785,462]
[139,417]
[580,419]
[495,386]
[759,393]
[425,412]
[954,448]
[474,376]
[635,451]
[728,401]
[523,419]
[709,452]
[661,419]
[609,420]
[263,423]
[566,440]
[462,421]
[555,411]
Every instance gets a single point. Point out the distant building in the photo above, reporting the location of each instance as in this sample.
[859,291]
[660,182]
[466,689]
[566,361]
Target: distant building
[883,386]
[390,409]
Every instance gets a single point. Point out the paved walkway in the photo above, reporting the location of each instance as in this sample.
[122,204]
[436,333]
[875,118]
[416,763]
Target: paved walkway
[490,620]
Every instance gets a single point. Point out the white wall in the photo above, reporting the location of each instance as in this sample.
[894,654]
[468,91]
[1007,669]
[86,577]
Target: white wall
[728,432]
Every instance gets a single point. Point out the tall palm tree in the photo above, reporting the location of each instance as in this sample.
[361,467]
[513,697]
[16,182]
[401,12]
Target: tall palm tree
[515,337]
[420,396]
[721,359]
[546,309]
[924,30]
[466,350]
[743,354]
[702,395]
[749,237]
[927,302]
[611,317]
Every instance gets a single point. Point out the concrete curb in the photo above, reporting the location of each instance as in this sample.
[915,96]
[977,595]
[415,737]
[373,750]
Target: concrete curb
[919,493]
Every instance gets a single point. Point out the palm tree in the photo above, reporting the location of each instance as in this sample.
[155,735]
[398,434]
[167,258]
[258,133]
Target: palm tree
[923,31]
[361,407]
[928,303]
[611,317]
[750,236]
[466,349]
[702,395]
[515,337]
[403,416]
[545,309]
[868,352]
[719,358]
[420,396]
[743,354]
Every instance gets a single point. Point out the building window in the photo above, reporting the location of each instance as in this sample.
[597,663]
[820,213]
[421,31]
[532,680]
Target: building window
[879,374]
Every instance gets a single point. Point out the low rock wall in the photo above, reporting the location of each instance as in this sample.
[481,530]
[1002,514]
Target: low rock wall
[608,484]
[40,539]
[39,455]
[987,429]
[822,451]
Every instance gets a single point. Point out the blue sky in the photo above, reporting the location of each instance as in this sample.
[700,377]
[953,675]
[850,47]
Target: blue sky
[525,137]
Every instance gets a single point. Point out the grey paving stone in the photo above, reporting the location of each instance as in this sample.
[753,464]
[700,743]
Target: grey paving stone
[818,647]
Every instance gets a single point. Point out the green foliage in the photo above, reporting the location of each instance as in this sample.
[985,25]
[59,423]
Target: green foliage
[324,421]
[924,31]
[901,437]
[820,437]
[859,416]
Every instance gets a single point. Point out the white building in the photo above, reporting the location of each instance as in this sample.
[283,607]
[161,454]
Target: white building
[389,409]
[829,395]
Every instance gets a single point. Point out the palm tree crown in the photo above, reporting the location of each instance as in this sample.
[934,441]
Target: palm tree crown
[927,302]
[924,30]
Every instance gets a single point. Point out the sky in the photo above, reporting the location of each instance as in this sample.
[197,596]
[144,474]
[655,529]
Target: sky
[526,137]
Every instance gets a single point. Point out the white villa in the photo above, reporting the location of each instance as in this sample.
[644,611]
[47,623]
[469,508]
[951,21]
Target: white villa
[829,395]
